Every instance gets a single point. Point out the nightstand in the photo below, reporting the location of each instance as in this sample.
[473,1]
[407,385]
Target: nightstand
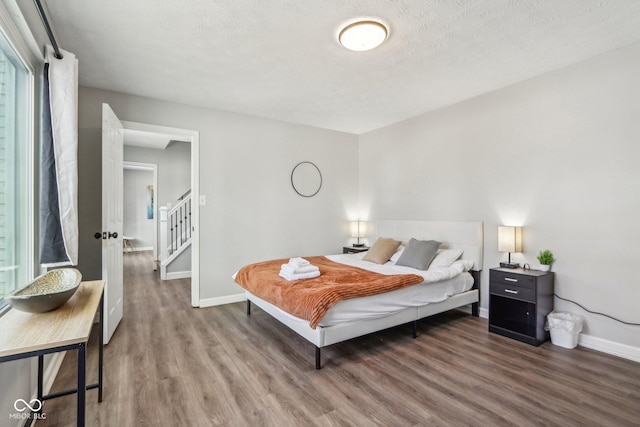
[519,301]
[354,250]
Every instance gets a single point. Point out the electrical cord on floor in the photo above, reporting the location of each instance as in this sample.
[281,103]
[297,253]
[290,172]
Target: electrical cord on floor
[595,312]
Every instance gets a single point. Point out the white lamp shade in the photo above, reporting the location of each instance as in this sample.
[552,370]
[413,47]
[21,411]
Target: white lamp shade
[509,239]
[358,229]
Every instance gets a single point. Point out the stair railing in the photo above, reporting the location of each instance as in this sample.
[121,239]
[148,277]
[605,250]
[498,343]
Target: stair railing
[175,228]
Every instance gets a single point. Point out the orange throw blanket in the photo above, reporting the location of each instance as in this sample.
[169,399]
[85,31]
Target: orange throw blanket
[310,299]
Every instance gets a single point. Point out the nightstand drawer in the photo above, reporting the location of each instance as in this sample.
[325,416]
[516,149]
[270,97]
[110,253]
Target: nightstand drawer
[513,279]
[512,291]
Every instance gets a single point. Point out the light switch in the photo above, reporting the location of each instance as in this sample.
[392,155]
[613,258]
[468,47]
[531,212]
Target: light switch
[203,200]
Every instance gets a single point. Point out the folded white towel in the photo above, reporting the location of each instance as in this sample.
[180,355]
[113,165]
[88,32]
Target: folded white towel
[292,277]
[292,269]
[299,262]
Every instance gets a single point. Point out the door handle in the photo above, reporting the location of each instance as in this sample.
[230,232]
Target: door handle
[106,235]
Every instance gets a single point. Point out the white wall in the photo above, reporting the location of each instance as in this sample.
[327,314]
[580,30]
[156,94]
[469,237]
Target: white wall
[174,168]
[182,263]
[557,154]
[252,212]
[136,224]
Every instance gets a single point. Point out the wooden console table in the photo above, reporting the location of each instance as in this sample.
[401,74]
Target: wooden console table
[25,335]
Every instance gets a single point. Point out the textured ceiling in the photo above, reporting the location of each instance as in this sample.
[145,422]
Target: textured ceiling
[280,58]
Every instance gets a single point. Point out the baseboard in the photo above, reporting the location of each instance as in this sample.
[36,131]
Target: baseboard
[610,347]
[178,275]
[138,249]
[230,299]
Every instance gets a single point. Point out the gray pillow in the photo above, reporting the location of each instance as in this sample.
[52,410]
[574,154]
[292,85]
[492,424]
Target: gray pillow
[419,254]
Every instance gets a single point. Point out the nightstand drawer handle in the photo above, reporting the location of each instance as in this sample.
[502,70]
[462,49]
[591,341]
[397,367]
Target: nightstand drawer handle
[511,291]
[509,279]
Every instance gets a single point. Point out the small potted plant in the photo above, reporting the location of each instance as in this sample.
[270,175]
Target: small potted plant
[545,258]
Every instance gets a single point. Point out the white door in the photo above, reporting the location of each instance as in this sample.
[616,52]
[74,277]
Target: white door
[112,229]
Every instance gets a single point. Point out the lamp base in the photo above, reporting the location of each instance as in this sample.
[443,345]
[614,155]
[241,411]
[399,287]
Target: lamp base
[509,265]
[358,245]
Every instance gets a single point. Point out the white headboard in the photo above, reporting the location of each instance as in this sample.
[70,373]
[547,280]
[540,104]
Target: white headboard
[465,235]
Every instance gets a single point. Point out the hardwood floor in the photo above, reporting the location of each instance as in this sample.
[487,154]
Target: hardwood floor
[172,365]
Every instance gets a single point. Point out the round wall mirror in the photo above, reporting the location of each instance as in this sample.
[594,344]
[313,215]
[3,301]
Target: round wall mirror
[306,179]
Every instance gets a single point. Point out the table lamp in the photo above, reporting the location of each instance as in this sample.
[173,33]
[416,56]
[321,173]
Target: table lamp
[358,230]
[509,240]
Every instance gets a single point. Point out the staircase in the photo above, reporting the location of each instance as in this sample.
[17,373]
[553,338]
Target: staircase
[175,238]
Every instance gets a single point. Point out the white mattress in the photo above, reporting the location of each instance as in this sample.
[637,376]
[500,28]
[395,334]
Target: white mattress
[439,285]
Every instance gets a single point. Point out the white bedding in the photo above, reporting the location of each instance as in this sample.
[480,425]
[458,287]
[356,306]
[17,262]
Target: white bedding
[440,284]
[390,267]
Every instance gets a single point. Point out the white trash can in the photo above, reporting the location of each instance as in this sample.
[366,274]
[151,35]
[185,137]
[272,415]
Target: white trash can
[564,328]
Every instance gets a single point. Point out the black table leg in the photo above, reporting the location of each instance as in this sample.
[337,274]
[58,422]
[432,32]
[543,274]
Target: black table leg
[41,381]
[82,382]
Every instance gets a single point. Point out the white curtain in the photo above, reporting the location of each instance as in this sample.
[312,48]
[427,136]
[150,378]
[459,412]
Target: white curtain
[59,162]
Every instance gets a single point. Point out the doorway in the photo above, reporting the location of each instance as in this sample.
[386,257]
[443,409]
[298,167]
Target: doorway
[140,213]
[153,136]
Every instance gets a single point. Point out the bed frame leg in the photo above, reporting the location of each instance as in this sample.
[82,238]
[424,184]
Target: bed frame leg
[474,309]
[476,274]
[248,308]
[414,332]
[318,365]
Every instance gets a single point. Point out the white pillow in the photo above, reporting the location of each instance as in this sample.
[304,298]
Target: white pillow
[466,264]
[397,254]
[445,257]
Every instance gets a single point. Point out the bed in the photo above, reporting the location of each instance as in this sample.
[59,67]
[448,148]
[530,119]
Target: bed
[355,317]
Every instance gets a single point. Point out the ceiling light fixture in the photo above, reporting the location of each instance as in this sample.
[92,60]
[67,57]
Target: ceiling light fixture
[363,35]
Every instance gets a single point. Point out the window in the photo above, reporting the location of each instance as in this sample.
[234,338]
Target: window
[16,170]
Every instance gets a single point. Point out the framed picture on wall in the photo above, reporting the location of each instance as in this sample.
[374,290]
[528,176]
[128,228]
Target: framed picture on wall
[150,202]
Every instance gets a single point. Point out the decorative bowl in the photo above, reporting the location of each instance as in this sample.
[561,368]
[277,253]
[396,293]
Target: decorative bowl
[46,292]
